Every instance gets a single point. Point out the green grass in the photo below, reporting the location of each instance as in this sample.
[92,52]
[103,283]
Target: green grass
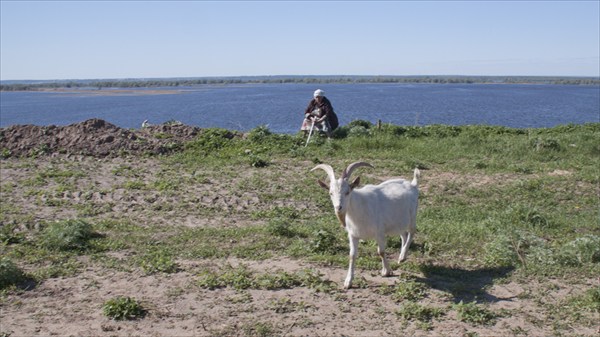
[475,313]
[422,313]
[498,203]
[242,278]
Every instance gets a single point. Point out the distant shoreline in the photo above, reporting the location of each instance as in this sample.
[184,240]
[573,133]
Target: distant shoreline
[109,92]
[33,85]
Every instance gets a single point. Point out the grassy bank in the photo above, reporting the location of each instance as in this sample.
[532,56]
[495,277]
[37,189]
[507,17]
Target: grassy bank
[497,205]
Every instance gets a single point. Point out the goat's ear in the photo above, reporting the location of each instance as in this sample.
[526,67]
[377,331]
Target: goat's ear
[355,183]
[322,184]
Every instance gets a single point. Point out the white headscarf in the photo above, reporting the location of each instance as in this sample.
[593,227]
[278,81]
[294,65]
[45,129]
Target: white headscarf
[319,92]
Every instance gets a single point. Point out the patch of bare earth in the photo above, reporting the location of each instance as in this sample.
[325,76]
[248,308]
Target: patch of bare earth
[178,307]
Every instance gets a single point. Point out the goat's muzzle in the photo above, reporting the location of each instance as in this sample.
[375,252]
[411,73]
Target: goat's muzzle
[342,217]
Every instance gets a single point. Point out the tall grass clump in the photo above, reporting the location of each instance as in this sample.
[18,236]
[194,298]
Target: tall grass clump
[67,235]
[10,274]
[521,248]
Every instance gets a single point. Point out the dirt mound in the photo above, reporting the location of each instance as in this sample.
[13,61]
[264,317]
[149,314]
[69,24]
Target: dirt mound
[94,137]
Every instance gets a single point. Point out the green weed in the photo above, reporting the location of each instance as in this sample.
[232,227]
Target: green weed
[158,261]
[474,313]
[123,308]
[415,311]
[409,291]
[588,301]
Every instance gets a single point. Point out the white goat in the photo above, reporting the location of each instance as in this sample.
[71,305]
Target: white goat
[373,211]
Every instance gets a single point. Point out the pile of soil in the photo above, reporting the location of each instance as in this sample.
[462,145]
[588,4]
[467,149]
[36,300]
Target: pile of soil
[94,137]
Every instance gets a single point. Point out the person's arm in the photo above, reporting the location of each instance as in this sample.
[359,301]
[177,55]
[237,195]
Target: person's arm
[309,109]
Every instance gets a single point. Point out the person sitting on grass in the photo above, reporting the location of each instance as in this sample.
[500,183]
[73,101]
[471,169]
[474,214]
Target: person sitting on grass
[318,112]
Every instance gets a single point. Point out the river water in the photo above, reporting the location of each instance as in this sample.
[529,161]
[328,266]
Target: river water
[281,106]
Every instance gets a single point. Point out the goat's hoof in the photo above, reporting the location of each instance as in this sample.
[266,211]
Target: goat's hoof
[347,285]
[386,273]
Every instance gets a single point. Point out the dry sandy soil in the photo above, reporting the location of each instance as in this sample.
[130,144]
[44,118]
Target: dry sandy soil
[177,306]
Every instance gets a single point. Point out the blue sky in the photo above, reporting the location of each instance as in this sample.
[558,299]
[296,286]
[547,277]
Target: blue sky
[140,39]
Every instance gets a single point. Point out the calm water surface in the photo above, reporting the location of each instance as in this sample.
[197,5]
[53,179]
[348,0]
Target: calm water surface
[281,106]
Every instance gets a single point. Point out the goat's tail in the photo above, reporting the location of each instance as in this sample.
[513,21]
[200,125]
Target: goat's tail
[416,176]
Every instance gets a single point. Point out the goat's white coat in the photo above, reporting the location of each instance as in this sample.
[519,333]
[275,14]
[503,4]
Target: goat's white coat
[366,217]
[374,211]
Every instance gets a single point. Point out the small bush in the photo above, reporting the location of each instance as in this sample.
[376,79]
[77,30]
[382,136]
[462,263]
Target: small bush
[67,235]
[123,308]
[10,274]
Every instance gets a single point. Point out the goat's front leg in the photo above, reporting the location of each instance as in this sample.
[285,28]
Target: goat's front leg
[385,270]
[353,255]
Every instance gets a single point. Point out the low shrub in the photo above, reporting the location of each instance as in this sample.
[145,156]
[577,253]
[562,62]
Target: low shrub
[580,251]
[10,274]
[67,235]
[523,248]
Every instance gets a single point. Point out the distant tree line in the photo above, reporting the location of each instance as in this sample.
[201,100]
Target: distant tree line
[185,82]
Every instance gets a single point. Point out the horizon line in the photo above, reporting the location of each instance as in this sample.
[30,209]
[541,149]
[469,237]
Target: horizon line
[294,76]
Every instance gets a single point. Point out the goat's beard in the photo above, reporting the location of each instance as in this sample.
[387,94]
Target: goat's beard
[342,217]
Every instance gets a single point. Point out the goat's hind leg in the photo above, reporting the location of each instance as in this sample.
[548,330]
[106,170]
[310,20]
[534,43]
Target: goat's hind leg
[406,241]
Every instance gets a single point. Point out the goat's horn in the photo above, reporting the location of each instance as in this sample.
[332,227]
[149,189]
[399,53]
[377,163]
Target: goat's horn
[348,171]
[326,168]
